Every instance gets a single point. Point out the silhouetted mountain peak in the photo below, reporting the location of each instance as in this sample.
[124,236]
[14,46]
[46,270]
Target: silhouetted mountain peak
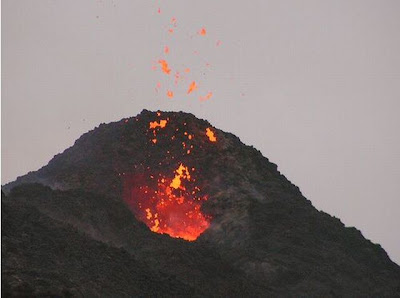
[196,206]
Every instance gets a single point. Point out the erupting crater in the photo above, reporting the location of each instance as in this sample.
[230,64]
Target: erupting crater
[168,198]
[169,205]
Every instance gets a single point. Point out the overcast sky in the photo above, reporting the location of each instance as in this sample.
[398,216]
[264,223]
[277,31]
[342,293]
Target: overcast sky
[314,85]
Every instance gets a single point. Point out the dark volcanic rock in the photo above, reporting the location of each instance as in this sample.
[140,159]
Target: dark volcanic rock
[265,238]
[45,257]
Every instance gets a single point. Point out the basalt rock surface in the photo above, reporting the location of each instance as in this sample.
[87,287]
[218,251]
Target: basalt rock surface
[67,230]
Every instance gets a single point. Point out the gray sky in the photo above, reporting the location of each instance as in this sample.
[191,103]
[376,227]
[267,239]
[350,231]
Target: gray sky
[314,85]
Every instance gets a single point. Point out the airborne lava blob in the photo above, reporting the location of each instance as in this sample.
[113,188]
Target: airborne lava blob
[177,73]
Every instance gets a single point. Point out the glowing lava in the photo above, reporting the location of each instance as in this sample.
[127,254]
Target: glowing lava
[210,134]
[168,200]
[156,124]
[192,87]
[203,31]
[170,206]
[207,97]
[164,66]
[181,172]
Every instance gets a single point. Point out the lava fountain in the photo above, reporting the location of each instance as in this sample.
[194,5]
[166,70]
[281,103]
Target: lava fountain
[167,198]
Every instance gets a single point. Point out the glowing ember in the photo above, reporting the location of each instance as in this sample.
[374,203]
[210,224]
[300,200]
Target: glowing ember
[192,87]
[164,66]
[210,134]
[181,172]
[166,69]
[148,213]
[156,124]
[207,97]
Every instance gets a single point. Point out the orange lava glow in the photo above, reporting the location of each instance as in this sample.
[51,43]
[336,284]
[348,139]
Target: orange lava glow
[185,73]
[164,66]
[210,134]
[181,172]
[168,198]
[192,87]
[170,94]
[156,124]
[172,206]
[164,193]
[207,97]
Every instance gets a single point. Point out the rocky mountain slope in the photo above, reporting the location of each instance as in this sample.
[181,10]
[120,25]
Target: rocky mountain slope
[83,215]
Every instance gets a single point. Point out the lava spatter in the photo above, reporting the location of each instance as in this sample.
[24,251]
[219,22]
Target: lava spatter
[210,134]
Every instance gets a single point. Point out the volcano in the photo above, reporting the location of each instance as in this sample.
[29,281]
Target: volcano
[165,204]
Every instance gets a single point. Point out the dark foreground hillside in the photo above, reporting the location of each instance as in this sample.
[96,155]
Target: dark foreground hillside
[69,229]
[43,257]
